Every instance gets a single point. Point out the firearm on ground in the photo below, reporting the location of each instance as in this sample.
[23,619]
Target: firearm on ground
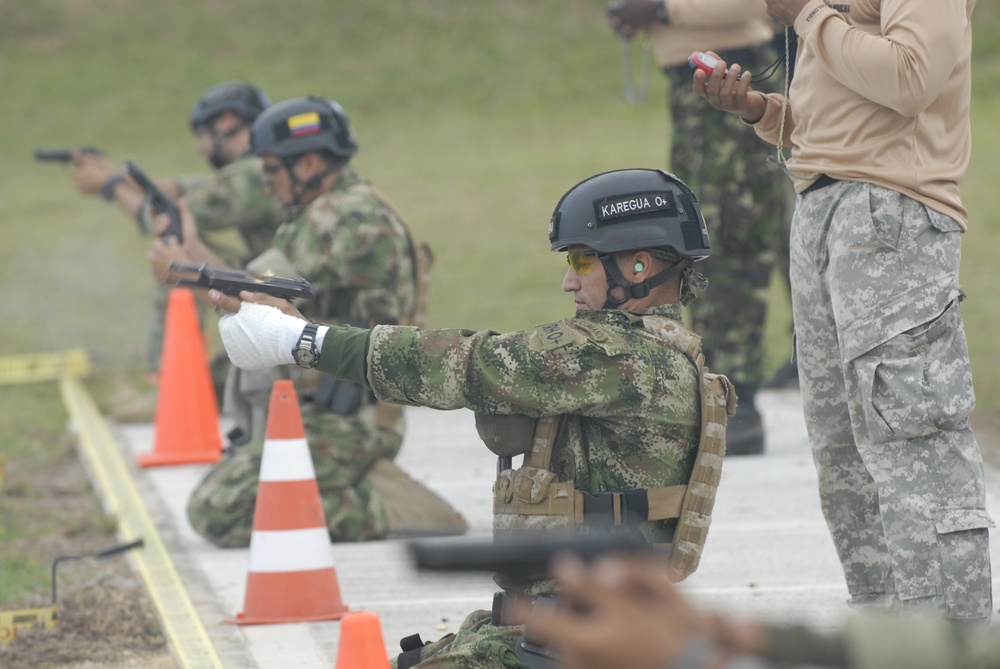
[65,155]
[158,201]
[231,282]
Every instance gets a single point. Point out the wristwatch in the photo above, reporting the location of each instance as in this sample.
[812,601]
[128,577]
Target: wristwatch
[109,186]
[305,352]
[660,14]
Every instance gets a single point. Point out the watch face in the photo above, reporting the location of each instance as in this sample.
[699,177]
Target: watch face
[305,352]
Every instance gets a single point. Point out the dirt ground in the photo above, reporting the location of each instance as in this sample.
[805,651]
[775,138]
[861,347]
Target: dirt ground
[106,619]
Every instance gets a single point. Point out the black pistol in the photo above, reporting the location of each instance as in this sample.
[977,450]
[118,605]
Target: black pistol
[158,201]
[64,155]
[231,282]
[518,557]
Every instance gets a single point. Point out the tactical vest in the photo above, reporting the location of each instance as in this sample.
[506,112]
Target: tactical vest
[531,498]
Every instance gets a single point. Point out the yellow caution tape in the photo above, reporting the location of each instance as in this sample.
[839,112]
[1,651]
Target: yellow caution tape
[33,367]
[12,622]
[181,623]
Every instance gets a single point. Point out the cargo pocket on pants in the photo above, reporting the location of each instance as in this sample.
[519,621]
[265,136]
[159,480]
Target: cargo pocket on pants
[963,542]
[918,382]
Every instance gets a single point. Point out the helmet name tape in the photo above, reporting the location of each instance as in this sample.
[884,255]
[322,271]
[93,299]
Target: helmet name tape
[634,204]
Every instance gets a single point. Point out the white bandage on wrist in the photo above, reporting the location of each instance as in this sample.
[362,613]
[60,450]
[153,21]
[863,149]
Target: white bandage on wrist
[259,336]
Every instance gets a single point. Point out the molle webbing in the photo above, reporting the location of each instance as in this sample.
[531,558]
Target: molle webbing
[532,492]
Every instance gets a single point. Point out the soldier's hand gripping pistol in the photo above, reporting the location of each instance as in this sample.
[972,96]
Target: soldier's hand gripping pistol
[158,201]
[231,282]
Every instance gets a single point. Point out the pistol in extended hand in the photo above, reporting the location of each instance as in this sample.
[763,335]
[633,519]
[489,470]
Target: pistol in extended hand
[231,282]
[523,557]
[158,200]
[64,155]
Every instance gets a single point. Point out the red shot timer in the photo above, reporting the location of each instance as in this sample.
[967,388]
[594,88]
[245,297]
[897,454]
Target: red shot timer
[700,60]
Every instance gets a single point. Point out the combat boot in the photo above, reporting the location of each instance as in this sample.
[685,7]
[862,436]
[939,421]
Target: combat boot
[745,429]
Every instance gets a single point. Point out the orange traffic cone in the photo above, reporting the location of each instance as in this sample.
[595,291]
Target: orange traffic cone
[291,577]
[361,643]
[187,412]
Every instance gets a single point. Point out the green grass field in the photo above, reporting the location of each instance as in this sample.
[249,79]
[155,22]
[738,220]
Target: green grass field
[472,117]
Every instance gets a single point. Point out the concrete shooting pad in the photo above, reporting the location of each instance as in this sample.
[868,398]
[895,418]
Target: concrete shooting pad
[768,553]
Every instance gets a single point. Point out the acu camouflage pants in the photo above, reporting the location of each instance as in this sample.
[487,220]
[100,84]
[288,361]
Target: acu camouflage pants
[887,390]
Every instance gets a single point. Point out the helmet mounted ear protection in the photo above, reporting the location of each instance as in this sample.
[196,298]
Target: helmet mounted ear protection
[298,126]
[629,210]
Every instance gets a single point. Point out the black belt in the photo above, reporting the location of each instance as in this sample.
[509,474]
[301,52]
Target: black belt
[822,182]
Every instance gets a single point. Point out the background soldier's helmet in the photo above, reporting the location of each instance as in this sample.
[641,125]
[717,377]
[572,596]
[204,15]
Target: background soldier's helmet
[626,210]
[240,98]
[300,125]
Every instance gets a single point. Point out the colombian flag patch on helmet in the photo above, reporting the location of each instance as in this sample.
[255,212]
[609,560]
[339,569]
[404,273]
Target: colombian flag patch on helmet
[304,124]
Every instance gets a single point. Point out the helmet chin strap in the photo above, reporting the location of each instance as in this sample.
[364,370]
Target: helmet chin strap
[299,187]
[634,291]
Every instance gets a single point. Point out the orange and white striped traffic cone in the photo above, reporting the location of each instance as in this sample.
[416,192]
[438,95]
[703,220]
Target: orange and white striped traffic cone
[291,577]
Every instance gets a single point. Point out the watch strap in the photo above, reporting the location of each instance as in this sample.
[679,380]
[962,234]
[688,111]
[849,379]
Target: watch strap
[307,343]
[109,186]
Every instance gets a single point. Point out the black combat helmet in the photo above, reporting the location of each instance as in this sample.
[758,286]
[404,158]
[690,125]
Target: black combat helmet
[627,210]
[300,125]
[238,97]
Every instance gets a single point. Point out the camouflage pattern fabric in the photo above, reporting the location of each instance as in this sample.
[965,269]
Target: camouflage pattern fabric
[887,391]
[343,448]
[358,257]
[236,218]
[477,645]
[632,398]
[746,202]
[633,417]
[355,252]
[234,199]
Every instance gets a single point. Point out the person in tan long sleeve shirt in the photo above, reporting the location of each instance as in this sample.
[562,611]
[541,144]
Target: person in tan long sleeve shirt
[877,119]
[745,199]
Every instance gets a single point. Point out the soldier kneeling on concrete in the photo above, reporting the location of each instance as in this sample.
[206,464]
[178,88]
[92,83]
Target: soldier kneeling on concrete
[354,248]
[620,424]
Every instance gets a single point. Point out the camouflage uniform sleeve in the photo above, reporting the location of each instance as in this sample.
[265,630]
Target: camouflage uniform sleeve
[872,641]
[554,369]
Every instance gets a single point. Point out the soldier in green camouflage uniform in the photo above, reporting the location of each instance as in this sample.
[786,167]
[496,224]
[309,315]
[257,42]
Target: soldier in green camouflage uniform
[747,199]
[349,243]
[235,216]
[628,397]
[749,202]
